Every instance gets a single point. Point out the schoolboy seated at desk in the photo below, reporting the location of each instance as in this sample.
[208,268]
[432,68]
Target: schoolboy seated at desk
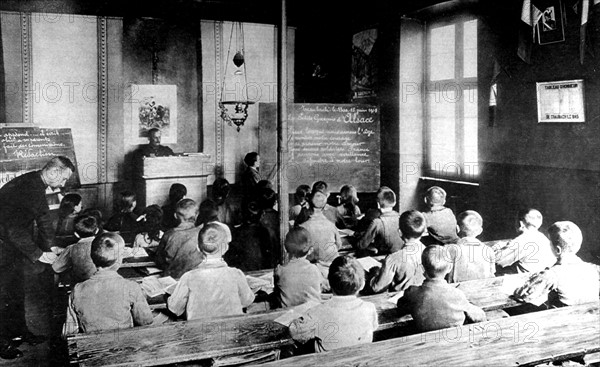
[441,222]
[76,257]
[330,212]
[342,321]
[298,281]
[471,259]
[571,281]
[383,233]
[212,288]
[177,251]
[531,251]
[437,304]
[403,268]
[106,301]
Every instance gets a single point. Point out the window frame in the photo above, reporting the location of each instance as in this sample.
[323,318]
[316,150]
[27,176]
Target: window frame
[468,88]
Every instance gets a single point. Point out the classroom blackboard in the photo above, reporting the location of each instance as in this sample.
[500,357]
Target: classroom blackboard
[25,149]
[335,143]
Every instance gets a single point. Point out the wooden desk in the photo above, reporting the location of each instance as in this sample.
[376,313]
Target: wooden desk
[178,342]
[524,340]
[137,262]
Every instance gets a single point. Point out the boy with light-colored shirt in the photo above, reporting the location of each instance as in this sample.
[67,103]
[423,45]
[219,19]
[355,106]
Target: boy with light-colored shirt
[77,256]
[177,251]
[471,259]
[403,268]
[437,304]
[571,281]
[531,251]
[441,222]
[106,301]
[211,289]
[298,281]
[344,320]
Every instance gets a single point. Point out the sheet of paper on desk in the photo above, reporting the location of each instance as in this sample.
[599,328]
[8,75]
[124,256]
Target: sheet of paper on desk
[154,286]
[346,232]
[511,283]
[295,312]
[139,252]
[368,263]
[150,270]
[256,284]
[394,299]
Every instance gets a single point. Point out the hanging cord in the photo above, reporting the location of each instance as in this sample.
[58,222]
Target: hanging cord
[227,61]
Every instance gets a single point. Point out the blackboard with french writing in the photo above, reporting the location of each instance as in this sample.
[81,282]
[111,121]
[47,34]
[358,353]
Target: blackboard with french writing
[24,149]
[335,143]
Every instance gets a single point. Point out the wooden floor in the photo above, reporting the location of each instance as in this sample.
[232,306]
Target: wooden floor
[44,315]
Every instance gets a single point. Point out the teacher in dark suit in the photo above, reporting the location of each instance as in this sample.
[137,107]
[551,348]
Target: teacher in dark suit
[23,202]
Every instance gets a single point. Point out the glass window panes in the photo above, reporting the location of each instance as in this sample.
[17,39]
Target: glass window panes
[442,53]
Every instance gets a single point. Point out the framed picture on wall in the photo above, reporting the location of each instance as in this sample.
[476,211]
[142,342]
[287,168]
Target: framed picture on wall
[550,27]
[153,106]
[561,101]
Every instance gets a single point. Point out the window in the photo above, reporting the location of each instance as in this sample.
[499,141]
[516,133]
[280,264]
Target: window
[451,105]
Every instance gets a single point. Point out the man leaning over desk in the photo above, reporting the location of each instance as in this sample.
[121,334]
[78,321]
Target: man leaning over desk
[153,148]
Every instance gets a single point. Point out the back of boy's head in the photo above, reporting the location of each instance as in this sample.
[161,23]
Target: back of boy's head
[348,193]
[470,224]
[566,237]
[531,218]
[153,216]
[386,197]
[212,239]
[435,261]
[302,193]
[318,200]
[435,195]
[86,226]
[187,210]
[346,277]
[96,213]
[264,184]
[320,186]
[208,211]
[220,189]
[297,242]
[267,198]
[68,203]
[107,249]
[412,224]
[177,192]
[127,201]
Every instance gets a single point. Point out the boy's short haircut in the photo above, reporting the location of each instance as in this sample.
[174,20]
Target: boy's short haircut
[412,224]
[319,199]
[386,197]
[566,235]
[469,223]
[251,158]
[435,261]
[86,225]
[346,277]
[531,218]
[208,211]
[212,239]
[267,198]
[320,186]
[177,192]
[297,242]
[435,195]
[106,249]
[187,210]
[96,213]
[302,192]
[127,199]
[220,189]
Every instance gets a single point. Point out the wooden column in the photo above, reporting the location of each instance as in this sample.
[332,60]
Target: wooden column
[282,139]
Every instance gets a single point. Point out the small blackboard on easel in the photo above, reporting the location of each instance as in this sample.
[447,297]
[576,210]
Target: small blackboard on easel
[25,149]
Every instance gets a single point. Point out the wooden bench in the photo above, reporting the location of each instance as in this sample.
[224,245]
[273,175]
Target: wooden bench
[525,340]
[169,340]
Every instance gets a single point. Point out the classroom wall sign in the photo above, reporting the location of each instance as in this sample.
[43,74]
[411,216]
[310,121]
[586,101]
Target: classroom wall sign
[560,101]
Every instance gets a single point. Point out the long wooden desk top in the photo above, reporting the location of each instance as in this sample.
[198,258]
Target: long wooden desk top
[169,342]
[178,342]
[524,340]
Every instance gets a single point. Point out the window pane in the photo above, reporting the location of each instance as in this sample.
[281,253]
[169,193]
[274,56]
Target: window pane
[441,53]
[470,134]
[442,112]
[470,49]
